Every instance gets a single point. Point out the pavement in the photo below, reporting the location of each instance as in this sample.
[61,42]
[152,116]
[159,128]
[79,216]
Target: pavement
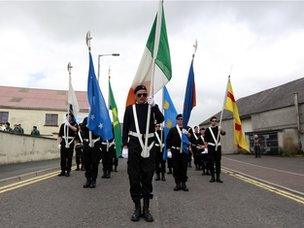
[62,202]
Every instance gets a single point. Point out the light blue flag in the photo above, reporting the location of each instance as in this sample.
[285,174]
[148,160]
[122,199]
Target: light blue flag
[170,114]
[99,121]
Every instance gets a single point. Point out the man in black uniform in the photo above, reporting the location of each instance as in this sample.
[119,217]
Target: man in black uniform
[202,152]
[107,154]
[160,164]
[214,149]
[140,169]
[193,139]
[79,150]
[176,144]
[91,155]
[66,136]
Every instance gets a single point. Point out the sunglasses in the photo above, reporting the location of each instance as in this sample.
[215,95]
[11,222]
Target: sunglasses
[179,118]
[142,95]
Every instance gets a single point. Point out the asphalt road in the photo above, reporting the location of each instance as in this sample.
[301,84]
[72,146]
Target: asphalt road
[62,202]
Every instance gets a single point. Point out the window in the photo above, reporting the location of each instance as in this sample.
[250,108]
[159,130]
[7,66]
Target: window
[51,119]
[3,117]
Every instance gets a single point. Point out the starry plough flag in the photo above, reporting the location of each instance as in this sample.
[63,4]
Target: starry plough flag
[99,121]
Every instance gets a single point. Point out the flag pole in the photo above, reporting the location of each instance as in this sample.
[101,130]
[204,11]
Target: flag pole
[151,91]
[221,118]
[88,42]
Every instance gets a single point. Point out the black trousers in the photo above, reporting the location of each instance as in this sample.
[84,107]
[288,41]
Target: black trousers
[79,155]
[196,157]
[180,165]
[204,161]
[140,171]
[257,151]
[91,158]
[214,158]
[66,155]
[160,164]
[107,158]
[169,163]
[115,160]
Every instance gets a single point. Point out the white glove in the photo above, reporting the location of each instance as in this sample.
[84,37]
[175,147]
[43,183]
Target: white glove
[169,154]
[184,131]
[151,101]
[125,152]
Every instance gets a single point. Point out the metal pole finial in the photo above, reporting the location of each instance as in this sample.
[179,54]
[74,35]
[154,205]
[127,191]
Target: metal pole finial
[88,40]
[195,48]
[70,68]
[109,72]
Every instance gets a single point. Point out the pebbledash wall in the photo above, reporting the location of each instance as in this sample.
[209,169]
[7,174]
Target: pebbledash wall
[25,148]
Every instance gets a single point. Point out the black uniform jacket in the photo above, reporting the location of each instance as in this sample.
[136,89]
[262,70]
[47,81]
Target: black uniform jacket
[173,138]
[142,113]
[208,137]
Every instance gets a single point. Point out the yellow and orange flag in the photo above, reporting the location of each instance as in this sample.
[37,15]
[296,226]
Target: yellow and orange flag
[230,105]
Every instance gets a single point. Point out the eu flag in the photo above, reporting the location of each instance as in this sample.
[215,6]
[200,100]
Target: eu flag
[190,97]
[170,114]
[99,121]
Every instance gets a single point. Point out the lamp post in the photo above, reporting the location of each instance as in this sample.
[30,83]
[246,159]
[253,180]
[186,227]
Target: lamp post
[99,56]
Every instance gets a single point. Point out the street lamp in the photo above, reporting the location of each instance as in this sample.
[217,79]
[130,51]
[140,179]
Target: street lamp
[113,54]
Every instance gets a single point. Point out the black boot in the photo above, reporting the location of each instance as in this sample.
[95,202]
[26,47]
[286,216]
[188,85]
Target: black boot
[170,171]
[87,184]
[104,175]
[68,173]
[108,174]
[93,184]
[163,177]
[218,179]
[157,177]
[184,187]
[146,213]
[212,179]
[177,186]
[62,173]
[137,212]
[115,168]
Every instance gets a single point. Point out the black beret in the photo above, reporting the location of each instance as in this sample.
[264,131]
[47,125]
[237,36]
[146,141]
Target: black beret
[178,116]
[139,88]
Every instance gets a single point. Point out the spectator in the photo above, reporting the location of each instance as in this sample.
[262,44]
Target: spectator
[8,127]
[35,132]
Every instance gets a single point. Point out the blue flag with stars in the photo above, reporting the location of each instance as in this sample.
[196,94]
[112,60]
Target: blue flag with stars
[170,114]
[99,121]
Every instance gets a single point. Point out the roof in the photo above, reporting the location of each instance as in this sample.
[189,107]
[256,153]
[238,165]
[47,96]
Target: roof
[39,99]
[275,98]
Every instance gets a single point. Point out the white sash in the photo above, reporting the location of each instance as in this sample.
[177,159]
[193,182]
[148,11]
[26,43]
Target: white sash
[144,153]
[203,139]
[66,136]
[194,134]
[159,141]
[212,134]
[181,138]
[80,137]
[91,140]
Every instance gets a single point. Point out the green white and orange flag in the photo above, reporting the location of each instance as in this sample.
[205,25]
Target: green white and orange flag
[230,105]
[154,70]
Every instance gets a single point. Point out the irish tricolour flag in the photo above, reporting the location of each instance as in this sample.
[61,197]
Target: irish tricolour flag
[154,70]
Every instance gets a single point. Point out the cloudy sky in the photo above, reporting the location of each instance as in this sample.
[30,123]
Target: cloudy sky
[260,43]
